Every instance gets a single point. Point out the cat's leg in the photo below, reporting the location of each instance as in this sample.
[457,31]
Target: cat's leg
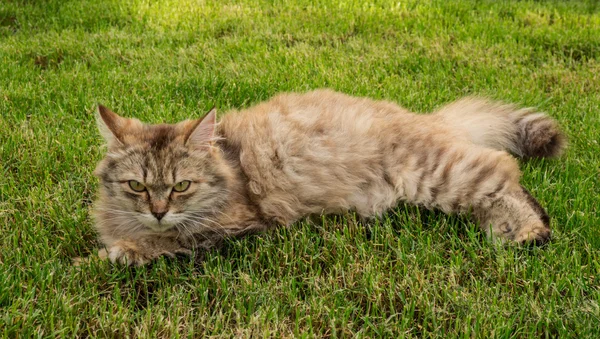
[146,248]
[140,251]
[506,211]
[458,178]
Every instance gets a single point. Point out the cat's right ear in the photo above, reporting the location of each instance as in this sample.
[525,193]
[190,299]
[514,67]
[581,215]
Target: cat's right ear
[111,126]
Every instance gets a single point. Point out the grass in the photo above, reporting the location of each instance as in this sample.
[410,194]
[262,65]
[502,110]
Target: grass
[411,273]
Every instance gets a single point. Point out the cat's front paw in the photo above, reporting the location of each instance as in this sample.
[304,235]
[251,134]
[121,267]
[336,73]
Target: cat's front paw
[126,253]
[131,254]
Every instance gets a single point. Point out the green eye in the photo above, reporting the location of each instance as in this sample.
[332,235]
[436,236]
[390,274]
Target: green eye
[182,186]
[136,186]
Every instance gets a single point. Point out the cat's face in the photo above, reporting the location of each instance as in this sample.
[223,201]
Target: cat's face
[159,177]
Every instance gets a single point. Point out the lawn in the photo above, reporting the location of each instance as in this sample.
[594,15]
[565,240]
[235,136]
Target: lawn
[411,273]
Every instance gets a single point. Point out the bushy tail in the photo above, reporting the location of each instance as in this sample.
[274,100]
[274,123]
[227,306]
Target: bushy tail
[521,131]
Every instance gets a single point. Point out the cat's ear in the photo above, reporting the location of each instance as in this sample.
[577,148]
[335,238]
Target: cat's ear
[203,131]
[111,126]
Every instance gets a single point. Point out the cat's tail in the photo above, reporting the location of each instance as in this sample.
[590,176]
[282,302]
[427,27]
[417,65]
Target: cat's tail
[521,131]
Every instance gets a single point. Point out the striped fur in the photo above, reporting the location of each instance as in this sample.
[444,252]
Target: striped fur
[317,153]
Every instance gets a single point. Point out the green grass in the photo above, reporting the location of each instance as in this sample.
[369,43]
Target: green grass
[412,273]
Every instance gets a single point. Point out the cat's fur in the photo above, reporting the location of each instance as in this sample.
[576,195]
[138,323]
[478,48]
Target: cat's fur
[315,153]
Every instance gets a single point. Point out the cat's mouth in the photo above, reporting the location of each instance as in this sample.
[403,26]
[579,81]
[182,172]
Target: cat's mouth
[156,225]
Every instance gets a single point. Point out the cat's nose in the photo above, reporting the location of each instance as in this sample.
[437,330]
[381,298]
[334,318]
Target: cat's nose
[159,215]
[159,208]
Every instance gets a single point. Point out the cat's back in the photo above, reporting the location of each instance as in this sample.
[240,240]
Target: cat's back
[320,112]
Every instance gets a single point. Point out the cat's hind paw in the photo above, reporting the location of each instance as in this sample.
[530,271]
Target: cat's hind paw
[536,236]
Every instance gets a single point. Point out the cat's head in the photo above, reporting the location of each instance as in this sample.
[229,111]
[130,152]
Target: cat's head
[158,177]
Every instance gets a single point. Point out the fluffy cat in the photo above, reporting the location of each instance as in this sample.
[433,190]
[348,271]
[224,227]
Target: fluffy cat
[170,189]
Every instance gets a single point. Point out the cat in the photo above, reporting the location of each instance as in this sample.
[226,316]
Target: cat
[183,188]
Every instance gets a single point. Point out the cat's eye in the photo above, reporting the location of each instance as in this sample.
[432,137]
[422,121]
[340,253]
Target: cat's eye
[136,186]
[182,186]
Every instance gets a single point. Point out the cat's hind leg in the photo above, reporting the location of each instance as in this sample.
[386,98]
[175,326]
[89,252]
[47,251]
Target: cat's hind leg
[458,178]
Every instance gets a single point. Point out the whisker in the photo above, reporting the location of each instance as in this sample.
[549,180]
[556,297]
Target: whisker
[201,221]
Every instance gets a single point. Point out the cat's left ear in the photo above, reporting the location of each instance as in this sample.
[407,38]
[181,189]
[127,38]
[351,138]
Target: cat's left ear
[203,134]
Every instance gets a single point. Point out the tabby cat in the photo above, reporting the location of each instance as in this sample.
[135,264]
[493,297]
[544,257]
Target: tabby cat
[175,189]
